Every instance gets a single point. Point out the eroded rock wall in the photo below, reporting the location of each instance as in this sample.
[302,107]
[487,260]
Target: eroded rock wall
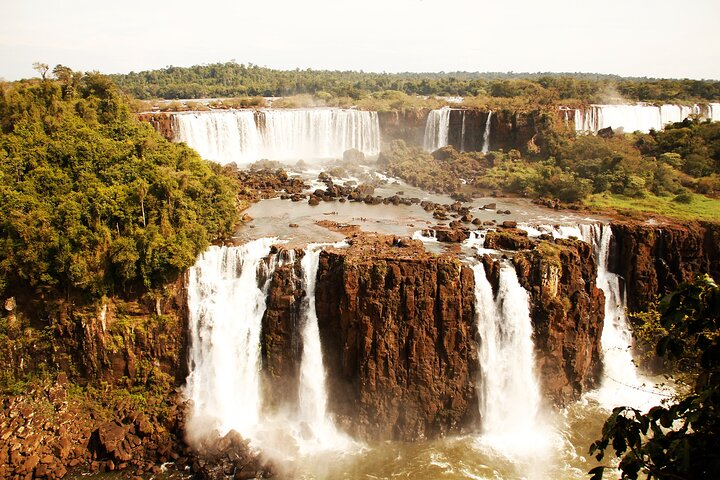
[398,332]
[407,125]
[567,314]
[161,122]
[654,259]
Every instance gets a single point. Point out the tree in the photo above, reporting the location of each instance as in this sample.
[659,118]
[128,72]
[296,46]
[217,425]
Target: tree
[680,440]
[42,69]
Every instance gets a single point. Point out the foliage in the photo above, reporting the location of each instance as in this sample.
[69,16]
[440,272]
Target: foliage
[680,440]
[701,208]
[92,200]
[231,79]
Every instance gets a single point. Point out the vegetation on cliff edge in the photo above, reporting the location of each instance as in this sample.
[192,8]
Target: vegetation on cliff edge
[91,199]
[679,439]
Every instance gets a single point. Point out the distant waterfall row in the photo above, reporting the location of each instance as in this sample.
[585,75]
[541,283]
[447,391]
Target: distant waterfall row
[245,136]
[638,117]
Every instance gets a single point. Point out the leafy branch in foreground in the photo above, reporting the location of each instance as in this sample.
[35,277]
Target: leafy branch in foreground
[680,440]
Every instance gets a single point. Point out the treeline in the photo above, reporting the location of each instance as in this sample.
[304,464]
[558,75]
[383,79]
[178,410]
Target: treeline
[231,79]
[92,201]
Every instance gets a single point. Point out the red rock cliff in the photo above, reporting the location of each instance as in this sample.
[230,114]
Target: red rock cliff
[398,330]
[654,258]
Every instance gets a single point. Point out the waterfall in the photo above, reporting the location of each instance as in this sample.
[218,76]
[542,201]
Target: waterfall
[639,117]
[244,136]
[312,394]
[713,112]
[226,304]
[224,136]
[621,383]
[486,134]
[437,128]
[509,395]
[462,132]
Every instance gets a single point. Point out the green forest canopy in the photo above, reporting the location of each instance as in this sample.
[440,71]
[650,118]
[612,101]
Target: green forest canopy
[91,199]
[231,79]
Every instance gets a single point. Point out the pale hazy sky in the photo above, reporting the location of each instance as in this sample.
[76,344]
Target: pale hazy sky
[662,38]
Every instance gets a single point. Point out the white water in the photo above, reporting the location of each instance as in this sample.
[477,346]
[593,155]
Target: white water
[486,134]
[712,111]
[225,307]
[621,384]
[244,136]
[639,117]
[437,127]
[509,394]
[312,401]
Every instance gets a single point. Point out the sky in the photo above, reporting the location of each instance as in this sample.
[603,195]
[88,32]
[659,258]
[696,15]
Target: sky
[668,39]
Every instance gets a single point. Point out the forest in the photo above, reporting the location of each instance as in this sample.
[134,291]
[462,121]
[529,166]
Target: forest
[94,202]
[231,79]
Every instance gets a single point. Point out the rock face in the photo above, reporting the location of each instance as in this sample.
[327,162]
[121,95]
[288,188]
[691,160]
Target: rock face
[397,327]
[407,125]
[654,259]
[281,334]
[161,122]
[567,309]
[508,129]
[567,313]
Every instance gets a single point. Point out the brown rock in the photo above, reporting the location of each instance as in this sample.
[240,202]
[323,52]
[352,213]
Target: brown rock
[397,328]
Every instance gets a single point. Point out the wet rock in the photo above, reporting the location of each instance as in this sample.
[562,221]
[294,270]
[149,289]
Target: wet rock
[391,372]
[567,311]
[508,239]
[313,201]
[655,258]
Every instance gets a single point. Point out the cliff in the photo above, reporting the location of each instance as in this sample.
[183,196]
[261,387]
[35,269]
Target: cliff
[654,258]
[398,332]
[567,309]
[54,348]
[407,125]
[161,122]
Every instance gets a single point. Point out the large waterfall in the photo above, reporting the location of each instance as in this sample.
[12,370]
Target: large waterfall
[244,136]
[510,394]
[227,291]
[225,308]
[640,117]
[437,128]
[313,394]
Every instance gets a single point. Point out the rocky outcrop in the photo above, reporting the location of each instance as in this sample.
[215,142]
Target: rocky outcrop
[654,258]
[161,122]
[407,125]
[51,430]
[567,310]
[398,330]
[281,335]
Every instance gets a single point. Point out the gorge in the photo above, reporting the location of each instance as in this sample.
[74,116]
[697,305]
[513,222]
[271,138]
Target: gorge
[352,324]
